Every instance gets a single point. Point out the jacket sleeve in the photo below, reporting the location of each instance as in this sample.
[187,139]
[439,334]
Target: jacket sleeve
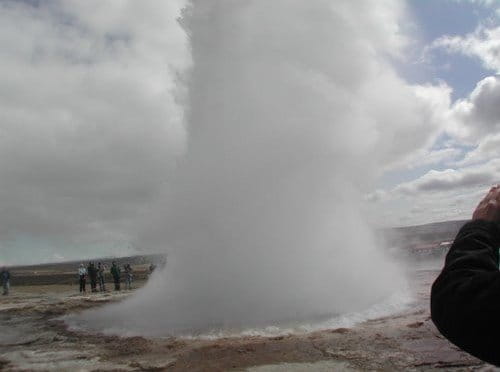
[465,298]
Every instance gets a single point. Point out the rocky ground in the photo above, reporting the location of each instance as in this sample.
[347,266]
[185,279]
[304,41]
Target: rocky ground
[33,338]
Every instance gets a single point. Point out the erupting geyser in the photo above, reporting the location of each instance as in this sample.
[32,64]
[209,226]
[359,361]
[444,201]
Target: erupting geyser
[263,222]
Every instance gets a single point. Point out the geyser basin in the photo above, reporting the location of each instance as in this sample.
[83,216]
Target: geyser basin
[263,220]
[91,321]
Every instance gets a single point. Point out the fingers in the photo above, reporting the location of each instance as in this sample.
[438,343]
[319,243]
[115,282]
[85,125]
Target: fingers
[489,208]
[493,194]
[495,189]
[489,205]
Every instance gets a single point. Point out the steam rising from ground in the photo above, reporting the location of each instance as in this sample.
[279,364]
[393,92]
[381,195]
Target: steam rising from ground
[264,223]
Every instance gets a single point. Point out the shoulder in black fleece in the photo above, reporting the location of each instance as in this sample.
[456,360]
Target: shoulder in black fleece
[465,298]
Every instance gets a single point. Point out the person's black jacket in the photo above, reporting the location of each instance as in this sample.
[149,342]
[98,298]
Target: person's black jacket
[92,271]
[465,298]
[5,275]
[115,272]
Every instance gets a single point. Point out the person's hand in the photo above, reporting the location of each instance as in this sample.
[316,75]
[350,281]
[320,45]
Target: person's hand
[489,208]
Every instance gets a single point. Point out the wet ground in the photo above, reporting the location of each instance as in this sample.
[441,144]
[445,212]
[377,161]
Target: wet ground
[33,338]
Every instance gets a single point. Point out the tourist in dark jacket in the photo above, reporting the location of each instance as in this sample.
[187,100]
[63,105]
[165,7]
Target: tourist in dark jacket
[116,274]
[465,298]
[101,277]
[92,270]
[5,276]
[128,276]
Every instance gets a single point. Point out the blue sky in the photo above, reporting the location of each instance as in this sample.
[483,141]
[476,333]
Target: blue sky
[433,60]
[449,17]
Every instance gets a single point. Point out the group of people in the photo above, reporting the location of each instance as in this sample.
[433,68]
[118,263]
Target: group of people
[96,274]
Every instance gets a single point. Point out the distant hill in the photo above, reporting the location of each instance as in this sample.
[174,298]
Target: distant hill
[427,233]
[428,239]
[73,265]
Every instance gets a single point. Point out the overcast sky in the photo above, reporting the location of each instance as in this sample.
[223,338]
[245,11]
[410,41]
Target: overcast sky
[92,117]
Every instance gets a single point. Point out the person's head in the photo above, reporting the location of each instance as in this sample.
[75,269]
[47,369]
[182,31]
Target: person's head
[113,263]
[81,265]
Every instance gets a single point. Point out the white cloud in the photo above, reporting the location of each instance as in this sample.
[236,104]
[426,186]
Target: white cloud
[439,156]
[472,121]
[449,179]
[493,3]
[483,43]
[478,115]
[89,120]
[408,119]
[425,207]
[427,157]
[91,109]
[445,181]
[473,118]
[435,196]
[489,148]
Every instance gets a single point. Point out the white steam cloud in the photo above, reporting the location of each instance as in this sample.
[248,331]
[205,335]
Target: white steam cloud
[286,124]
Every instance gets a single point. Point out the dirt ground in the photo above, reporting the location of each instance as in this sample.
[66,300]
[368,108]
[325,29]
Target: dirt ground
[32,338]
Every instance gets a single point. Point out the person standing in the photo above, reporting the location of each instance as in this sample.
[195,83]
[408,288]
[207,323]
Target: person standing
[5,281]
[100,277]
[116,273]
[82,274]
[92,270]
[128,277]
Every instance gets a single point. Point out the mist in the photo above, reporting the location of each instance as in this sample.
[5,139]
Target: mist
[263,222]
